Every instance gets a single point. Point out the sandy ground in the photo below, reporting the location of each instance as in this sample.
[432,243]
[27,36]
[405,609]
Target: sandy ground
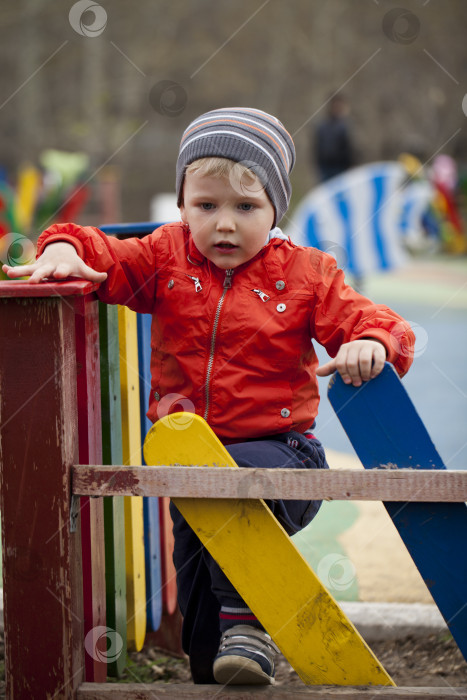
[384,568]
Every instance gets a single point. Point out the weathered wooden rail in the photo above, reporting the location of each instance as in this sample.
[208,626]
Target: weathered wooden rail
[333,484]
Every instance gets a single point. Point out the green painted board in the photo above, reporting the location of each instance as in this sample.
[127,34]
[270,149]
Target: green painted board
[114,519]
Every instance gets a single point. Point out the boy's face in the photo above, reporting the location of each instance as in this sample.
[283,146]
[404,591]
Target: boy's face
[229,222]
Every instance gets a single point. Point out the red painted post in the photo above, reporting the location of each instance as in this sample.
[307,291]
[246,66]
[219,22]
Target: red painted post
[92,510]
[42,584]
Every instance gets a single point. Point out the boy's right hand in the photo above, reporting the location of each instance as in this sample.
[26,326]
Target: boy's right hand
[59,260]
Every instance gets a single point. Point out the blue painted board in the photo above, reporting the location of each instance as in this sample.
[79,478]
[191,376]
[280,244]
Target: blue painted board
[385,429]
[142,228]
[152,539]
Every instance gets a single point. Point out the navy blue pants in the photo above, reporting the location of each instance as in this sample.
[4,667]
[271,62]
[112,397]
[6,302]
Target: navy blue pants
[201,583]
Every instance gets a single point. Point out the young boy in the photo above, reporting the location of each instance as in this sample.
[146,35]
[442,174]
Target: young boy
[235,305]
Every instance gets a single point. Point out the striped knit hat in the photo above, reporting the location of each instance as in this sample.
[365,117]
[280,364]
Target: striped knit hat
[248,136]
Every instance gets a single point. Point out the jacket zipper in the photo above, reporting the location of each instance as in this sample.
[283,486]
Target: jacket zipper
[262,295]
[196,281]
[207,385]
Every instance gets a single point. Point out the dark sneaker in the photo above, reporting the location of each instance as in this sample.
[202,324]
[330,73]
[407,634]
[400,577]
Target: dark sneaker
[245,657]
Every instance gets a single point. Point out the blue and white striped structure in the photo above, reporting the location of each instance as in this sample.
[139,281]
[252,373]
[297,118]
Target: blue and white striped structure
[363,217]
[416,196]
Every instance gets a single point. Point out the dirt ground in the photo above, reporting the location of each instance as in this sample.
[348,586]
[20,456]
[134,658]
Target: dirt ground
[428,661]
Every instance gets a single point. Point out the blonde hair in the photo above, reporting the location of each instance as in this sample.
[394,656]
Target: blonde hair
[241,177]
[219,167]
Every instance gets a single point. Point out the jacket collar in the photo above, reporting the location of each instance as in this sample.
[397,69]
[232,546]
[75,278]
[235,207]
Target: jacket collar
[193,256]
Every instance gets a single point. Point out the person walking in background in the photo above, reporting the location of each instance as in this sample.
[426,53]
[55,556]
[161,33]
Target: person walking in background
[332,146]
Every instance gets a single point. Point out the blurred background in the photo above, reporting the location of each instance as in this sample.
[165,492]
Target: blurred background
[119,81]
[95,96]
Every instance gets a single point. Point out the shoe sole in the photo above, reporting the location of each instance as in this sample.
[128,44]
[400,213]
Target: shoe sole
[237,670]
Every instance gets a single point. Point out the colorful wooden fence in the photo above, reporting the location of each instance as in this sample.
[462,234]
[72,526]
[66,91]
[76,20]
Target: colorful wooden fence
[64,583]
[155,525]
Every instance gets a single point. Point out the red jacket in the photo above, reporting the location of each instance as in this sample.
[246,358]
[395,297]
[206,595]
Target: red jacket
[236,348]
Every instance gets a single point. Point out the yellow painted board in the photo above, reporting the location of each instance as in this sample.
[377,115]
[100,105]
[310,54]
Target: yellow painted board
[133,506]
[263,564]
[27,193]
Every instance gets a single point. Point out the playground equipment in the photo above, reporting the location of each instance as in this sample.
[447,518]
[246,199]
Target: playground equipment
[54,561]
[366,217]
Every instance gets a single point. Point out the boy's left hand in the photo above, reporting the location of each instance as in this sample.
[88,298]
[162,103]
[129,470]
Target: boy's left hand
[357,361]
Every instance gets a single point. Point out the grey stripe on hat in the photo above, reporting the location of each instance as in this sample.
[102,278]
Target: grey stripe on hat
[245,138]
[289,156]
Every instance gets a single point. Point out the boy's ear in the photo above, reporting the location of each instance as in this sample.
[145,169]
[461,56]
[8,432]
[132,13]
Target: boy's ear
[183,213]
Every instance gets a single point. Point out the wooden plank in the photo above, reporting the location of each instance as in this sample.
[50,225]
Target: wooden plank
[164,618]
[92,511]
[42,587]
[137,691]
[330,484]
[114,517]
[152,535]
[384,427]
[265,567]
[133,507]
[19,288]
